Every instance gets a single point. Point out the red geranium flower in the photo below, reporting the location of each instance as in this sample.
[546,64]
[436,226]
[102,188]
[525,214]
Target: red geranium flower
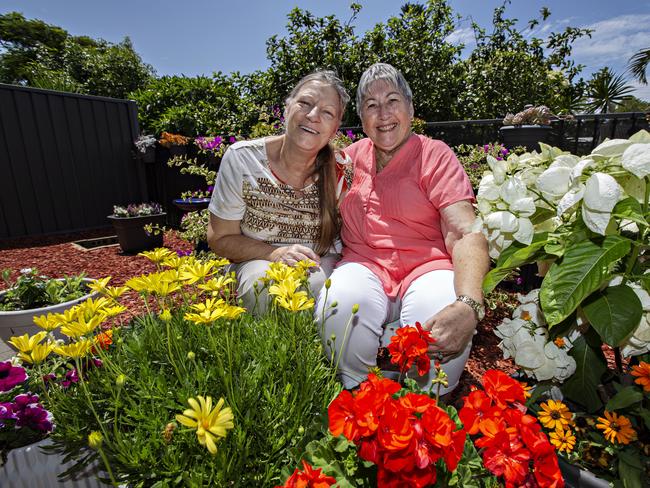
[410,345]
[502,389]
[308,478]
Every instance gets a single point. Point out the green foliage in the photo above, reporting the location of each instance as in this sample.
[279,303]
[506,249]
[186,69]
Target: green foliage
[270,370]
[614,312]
[31,290]
[638,65]
[46,56]
[632,104]
[607,90]
[190,106]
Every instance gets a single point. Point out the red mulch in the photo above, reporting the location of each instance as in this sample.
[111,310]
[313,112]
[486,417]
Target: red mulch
[56,256]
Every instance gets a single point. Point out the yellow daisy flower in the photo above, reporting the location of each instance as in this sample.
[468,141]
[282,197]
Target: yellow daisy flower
[115,292]
[215,285]
[284,288]
[295,301]
[25,343]
[616,428]
[197,272]
[99,285]
[211,424]
[81,326]
[554,415]
[47,322]
[563,440]
[158,255]
[38,354]
[74,349]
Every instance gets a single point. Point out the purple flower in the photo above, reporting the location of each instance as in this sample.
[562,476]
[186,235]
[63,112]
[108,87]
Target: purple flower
[71,376]
[350,134]
[499,158]
[232,139]
[36,418]
[48,378]
[210,188]
[519,280]
[10,376]
[474,166]
[486,148]
[504,151]
[6,413]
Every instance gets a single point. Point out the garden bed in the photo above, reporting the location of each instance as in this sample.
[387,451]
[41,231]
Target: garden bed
[57,256]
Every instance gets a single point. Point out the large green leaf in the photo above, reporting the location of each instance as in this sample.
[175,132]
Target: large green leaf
[630,469]
[581,271]
[630,208]
[624,398]
[590,366]
[614,312]
[512,257]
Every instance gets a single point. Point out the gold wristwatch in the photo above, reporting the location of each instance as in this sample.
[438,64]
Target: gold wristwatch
[478,308]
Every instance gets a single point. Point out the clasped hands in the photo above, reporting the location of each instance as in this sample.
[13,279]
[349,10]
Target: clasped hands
[452,328]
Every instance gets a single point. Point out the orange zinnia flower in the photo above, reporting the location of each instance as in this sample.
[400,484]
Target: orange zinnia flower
[642,372]
[617,428]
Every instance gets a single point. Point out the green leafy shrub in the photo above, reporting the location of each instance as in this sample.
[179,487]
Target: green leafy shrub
[31,290]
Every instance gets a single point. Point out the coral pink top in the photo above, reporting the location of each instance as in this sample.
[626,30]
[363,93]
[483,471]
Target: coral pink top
[391,220]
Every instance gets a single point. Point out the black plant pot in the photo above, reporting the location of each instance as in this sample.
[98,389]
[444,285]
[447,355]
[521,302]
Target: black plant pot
[575,477]
[131,234]
[191,204]
[528,136]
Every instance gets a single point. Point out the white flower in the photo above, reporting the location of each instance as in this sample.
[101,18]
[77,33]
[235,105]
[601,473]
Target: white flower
[639,341]
[488,189]
[554,182]
[611,148]
[636,160]
[601,195]
[499,169]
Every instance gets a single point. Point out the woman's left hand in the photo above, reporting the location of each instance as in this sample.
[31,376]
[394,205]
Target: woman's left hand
[452,328]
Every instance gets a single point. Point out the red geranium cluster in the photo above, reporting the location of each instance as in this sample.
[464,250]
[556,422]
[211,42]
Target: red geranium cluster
[512,442]
[308,478]
[410,344]
[404,436]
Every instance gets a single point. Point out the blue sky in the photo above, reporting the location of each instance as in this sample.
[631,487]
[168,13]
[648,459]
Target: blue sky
[201,36]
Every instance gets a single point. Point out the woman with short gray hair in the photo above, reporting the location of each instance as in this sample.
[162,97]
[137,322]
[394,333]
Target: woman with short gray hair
[409,253]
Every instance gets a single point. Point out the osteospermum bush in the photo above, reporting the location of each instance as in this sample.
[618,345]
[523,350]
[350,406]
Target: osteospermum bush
[196,391]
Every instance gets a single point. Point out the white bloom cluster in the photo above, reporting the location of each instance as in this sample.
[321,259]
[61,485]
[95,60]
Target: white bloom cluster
[525,339]
[511,192]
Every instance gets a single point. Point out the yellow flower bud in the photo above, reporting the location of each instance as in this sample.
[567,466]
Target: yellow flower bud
[355,308]
[165,315]
[120,380]
[191,356]
[95,439]
[328,283]
[334,304]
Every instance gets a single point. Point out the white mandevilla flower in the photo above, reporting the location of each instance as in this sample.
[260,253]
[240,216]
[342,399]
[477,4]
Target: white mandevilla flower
[611,148]
[636,160]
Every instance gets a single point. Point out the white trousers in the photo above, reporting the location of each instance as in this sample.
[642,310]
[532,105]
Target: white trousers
[254,294]
[352,345]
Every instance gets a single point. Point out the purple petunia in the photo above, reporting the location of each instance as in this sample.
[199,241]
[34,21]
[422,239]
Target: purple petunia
[11,376]
[71,377]
[350,134]
[6,413]
[232,139]
[35,417]
[486,148]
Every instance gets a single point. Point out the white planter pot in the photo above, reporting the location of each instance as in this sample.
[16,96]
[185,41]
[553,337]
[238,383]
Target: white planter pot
[31,467]
[21,322]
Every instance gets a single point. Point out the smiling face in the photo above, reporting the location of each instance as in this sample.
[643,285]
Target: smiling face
[386,116]
[313,116]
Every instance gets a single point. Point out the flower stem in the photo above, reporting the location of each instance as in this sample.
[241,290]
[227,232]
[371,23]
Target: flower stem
[108,466]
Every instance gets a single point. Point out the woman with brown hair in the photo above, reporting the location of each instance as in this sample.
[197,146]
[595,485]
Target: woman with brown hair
[275,198]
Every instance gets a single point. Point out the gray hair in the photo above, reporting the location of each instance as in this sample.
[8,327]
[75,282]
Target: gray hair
[326,77]
[386,72]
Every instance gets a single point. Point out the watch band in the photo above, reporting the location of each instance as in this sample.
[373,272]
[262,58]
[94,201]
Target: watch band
[478,308]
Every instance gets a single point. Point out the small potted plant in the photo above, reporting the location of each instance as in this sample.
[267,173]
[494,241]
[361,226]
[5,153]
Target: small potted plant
[129,223]
[176,143]
[33,294]
[527,128]
[146,148]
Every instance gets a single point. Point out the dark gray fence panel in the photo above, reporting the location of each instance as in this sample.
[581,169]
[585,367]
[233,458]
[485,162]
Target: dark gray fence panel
[65,160]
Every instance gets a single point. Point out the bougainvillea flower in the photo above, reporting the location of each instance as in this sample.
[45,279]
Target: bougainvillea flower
[11,376]
[308,478]
[616,428]
[640,371]
[409,345]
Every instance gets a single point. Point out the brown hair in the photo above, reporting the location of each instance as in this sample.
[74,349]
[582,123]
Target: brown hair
[326,165]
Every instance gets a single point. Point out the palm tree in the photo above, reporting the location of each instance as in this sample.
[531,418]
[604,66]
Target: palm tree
[606,90]
[638,63]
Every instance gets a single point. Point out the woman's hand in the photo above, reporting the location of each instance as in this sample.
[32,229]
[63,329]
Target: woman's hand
[292,254]
[452,328]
